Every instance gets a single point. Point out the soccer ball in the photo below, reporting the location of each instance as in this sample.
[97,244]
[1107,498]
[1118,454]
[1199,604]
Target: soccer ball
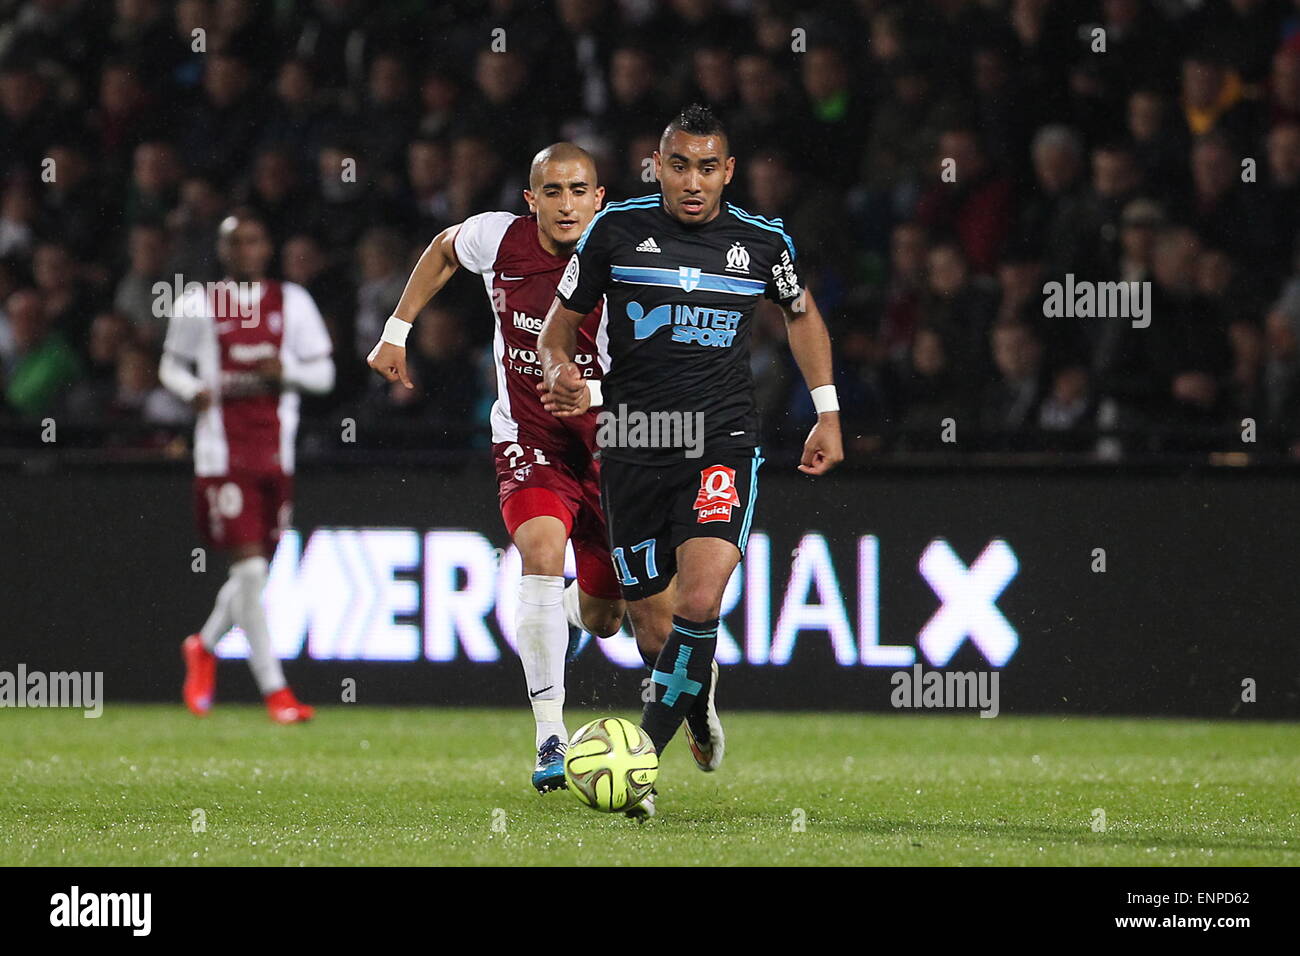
[610,764]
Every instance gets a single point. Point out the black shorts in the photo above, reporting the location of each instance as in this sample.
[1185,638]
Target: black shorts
[651,509]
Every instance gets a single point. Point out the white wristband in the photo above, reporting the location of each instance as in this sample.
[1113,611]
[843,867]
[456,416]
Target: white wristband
[593,387]
[825,399]
[395,331]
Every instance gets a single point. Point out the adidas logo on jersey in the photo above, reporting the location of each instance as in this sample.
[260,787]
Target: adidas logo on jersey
[649,245]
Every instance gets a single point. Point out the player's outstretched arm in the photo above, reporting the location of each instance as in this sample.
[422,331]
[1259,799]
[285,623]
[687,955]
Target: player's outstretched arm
[436,265]
[810,344]
[564,393]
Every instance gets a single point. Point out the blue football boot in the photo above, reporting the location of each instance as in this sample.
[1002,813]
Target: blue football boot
[548,775]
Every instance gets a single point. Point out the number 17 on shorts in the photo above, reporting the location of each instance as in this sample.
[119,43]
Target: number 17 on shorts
[652,510]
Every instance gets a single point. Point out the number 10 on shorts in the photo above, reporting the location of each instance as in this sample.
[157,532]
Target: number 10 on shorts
[625,576]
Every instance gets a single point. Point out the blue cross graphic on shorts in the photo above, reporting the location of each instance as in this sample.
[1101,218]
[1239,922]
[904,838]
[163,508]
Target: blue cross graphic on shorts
[677,681]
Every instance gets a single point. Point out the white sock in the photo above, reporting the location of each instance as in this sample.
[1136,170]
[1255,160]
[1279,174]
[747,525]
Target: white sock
[573,606]
[220,620]
[249,576]
[543,639]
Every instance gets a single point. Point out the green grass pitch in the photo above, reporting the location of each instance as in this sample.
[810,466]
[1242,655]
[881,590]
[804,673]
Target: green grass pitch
[447,787]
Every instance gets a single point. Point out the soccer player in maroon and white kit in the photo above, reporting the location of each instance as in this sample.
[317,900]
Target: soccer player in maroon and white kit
[240,352]
[547,480]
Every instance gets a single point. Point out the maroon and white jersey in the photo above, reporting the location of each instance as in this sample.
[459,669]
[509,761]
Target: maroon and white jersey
[226,334]
[520,277]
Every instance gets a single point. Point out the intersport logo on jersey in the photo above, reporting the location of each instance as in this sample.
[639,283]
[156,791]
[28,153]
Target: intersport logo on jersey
[698,324]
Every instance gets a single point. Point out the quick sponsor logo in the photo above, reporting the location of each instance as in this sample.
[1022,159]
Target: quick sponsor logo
[717,494]
[701,325]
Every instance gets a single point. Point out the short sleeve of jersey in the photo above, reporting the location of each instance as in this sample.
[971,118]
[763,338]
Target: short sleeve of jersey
[587,274]
[784,284]
[304,329]
[479,238]
[186,325]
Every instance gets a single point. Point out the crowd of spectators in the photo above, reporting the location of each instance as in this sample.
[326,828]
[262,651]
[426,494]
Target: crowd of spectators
[936,162]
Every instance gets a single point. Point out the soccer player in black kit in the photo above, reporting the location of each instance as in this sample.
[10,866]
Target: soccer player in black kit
[681,272]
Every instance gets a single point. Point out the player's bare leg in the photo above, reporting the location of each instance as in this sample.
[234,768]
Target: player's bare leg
[595,615]
[588,613]
[652,622]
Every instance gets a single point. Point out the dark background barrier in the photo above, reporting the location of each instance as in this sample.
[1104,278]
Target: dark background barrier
[1199,591]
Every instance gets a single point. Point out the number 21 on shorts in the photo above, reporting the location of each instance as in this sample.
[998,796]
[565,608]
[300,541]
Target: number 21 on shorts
[517,452]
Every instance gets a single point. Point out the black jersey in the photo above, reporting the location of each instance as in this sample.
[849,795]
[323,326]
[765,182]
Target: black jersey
[680,304]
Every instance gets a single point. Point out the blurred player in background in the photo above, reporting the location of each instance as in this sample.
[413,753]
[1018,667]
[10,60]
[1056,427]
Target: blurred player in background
[240,352]
[681,274]
[547,480]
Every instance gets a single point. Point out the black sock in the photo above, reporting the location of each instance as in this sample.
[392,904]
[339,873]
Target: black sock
[681,674]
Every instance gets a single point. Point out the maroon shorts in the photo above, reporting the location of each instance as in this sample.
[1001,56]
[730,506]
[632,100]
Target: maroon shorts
[534,481]
[243,508]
